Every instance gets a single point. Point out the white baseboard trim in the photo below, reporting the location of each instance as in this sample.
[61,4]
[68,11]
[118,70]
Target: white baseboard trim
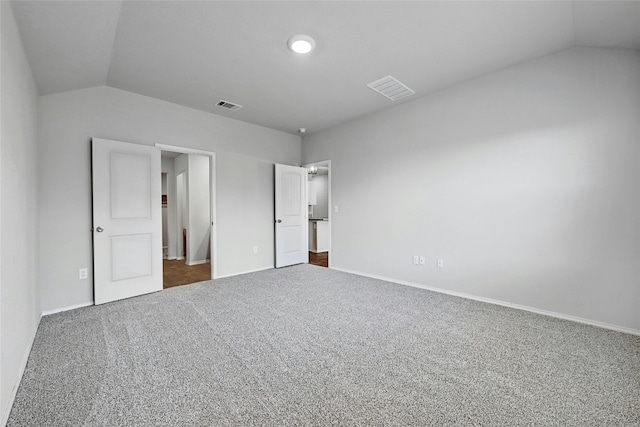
[23,365]
[319,252]
[244,272]
[204,261]
[67,308]
[498,302]
[172,257]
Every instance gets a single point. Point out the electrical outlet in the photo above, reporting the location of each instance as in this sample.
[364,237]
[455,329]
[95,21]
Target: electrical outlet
[440,262]
[335,208]
[83,273]
[255,249]
[423,260]
[416,259]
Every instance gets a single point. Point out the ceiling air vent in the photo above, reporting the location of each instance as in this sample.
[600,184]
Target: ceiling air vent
[391,88]
[228,105]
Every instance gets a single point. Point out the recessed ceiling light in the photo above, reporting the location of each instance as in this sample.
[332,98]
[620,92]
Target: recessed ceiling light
[301,44]
[302,130]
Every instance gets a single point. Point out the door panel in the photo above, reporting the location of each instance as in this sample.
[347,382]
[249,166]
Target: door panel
[291,215]
[131,256]
[127,220]
[291,193]
[130,179]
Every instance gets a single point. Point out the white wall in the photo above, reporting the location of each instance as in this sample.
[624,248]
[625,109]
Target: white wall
[199,233]
[181,168]
[525,181]
[20,305]
[166,166]
[320,182]
[245,155]
[165,188]
[183,214]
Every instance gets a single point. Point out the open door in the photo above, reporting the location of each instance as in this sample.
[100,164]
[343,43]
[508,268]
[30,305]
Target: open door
[127,220]
[213,256]
[292,229]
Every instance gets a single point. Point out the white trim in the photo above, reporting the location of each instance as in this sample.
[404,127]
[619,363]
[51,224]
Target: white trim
[204,261]
[319,252]
[172,258]
[23,365]
[67,308]
[246,272]
[576,319]
[184,150]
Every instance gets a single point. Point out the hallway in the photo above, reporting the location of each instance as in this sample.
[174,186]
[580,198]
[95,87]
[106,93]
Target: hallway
[177,273]
[320,259]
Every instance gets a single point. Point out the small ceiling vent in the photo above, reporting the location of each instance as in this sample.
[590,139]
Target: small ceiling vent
[228,105]
[391,88]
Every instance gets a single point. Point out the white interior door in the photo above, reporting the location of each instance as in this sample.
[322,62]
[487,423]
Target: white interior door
[127,220]
[292,229]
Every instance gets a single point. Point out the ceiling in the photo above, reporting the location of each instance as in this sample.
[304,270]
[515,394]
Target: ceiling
[169,154]
[197,53]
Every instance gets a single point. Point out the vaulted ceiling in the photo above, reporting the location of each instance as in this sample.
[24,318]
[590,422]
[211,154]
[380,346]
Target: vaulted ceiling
[197,53]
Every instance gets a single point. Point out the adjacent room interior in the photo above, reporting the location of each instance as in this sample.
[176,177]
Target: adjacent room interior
[186,218]
[454,188]
[318,200]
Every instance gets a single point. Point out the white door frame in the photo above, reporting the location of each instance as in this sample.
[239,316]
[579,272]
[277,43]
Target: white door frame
[212,187]
[330,206]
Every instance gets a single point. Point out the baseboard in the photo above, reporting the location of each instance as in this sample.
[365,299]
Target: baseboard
[23,366]
[576,319]
[319,252]
[244,272]
[204,261]
[170,258]
[70,307]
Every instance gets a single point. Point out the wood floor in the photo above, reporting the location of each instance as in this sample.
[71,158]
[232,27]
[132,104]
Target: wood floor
[321,259]
[177,273]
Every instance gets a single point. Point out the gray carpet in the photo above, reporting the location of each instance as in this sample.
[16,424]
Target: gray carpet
[310,346]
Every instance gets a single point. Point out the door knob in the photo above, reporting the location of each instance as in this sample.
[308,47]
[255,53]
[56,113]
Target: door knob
[279,221]
[99,229]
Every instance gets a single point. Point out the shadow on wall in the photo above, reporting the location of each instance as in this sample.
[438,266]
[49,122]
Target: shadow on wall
[524,181]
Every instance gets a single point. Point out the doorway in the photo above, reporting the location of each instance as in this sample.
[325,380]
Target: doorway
[319,205]
[190,214]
